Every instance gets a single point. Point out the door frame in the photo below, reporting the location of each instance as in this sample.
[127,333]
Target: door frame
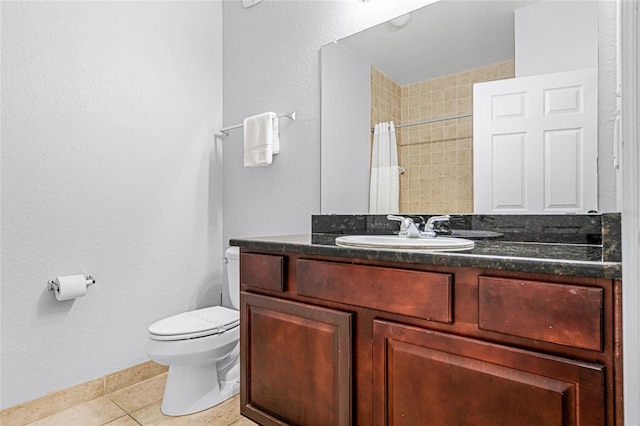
[629,19]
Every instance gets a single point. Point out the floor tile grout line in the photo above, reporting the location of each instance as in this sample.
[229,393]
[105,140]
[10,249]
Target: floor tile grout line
[116,403]
[118,418]
[130,413]
[113,398]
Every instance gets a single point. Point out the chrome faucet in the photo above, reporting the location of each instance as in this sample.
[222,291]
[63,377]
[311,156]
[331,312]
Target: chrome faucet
[408,227]
[429,228]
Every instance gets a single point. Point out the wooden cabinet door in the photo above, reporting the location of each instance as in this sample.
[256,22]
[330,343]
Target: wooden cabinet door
[423,377]
[295,362]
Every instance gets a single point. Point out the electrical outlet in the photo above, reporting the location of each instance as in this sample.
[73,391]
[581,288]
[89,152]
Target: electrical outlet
[248,3]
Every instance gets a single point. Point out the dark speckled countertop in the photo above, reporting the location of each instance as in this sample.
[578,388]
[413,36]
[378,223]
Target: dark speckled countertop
[594,254]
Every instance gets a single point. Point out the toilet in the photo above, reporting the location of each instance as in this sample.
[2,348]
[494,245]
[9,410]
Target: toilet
[202,350]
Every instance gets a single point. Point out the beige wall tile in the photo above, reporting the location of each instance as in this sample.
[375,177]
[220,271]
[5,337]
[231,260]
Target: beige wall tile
[451,133]
[508,69]
[464,91]
[428,186]
[426,112]
[437,84]
[437,96]
[450,81]
[465,129]
[414,101]
[464,78]
[140,394]
[127,377]
[464,156]
[437,135]
[464,106]
[451,93]
[477,75]
[386,99]
[492,72]
[437,110]
[451,108]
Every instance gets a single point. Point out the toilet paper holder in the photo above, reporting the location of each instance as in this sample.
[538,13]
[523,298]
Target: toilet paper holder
[52,285]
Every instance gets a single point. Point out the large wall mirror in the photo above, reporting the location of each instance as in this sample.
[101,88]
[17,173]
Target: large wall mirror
[423,67]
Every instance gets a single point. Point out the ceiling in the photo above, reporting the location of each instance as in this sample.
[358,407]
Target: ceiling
[443,38]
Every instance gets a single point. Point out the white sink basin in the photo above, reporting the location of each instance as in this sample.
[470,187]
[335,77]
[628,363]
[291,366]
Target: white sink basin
[404,243]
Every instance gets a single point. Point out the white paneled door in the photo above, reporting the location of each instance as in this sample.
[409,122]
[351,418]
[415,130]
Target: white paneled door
[535,144]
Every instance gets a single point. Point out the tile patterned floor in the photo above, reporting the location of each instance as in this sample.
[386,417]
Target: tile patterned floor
[139,404]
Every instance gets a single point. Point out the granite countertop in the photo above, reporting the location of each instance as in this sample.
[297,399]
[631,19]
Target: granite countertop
[535,257]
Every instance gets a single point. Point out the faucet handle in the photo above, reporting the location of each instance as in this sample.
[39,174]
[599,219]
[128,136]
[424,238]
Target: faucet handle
[430,226]
[418,220]
[405,222]
[407,226]
[396,218]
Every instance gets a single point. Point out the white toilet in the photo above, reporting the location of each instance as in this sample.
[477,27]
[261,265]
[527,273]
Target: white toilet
[202,350]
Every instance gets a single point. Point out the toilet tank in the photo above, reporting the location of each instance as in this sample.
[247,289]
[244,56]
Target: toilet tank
[232,254]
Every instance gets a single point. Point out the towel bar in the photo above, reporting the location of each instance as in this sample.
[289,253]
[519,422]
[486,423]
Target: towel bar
[290,115]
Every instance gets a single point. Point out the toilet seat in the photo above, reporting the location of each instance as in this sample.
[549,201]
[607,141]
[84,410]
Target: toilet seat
[194,324]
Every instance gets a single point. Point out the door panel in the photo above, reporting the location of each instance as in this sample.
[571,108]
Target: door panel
[562,163]
[509,172]
[551,120]
[296,362]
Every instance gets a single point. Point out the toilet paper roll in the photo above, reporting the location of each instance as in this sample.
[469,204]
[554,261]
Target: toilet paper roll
[70,287]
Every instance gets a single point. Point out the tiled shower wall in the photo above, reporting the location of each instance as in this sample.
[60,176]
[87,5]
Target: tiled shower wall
[437,157]
[385,99]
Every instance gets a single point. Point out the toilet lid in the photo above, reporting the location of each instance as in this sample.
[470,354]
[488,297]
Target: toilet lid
[192,324]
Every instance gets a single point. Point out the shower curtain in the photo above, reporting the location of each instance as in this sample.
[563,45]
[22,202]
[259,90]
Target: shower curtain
[384,187]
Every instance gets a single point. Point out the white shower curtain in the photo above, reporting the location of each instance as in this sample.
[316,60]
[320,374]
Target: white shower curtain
[384,187]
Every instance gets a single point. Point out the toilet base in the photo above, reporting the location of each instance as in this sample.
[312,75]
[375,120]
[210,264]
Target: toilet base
[190,389]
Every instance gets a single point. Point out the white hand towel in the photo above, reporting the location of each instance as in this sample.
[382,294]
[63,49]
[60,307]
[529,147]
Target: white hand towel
[260,139]
[275,141]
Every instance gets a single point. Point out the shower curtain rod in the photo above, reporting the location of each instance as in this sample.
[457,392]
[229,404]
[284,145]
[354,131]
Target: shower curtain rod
[290,115]
[435,120]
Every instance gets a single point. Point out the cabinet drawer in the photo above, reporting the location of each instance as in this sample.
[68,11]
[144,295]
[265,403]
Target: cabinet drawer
[263,271]
[418,294]
[558,313]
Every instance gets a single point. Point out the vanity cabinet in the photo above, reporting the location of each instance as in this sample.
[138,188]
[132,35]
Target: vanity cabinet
[421,374]
[297,362]
[340,341]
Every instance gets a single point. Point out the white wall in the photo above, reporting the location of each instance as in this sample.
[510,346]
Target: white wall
[608,105]
[345,154]
[575,35]
[556,36]
[108,168]
[272,63]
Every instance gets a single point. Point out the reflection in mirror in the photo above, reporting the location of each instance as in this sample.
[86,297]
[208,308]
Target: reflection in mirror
[419,71]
